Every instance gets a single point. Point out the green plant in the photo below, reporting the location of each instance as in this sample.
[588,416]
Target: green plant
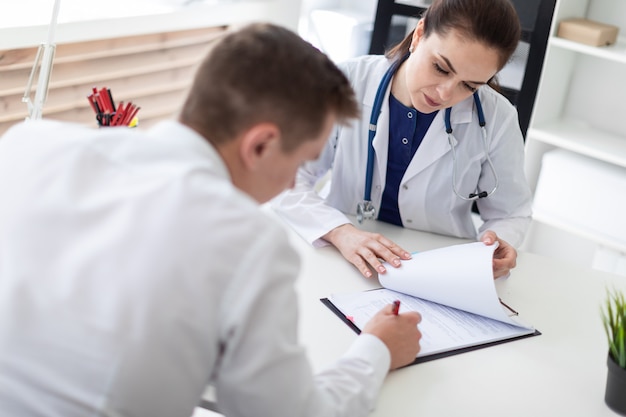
[614,319]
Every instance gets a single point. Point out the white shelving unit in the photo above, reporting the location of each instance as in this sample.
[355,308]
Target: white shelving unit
[579,108]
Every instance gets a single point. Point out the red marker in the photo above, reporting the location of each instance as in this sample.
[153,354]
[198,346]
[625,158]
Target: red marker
[396,307]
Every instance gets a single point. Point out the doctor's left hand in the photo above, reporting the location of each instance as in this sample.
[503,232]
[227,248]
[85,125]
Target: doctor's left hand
[504,257]
[365,249]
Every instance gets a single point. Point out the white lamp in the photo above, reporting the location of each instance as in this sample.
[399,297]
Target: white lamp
[47,51]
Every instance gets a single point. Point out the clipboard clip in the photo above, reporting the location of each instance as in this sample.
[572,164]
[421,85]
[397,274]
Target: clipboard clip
[512,312]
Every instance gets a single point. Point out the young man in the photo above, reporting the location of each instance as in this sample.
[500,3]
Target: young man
[136,268]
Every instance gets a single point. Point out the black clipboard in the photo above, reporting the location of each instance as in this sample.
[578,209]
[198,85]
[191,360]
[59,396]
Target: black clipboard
[431,357]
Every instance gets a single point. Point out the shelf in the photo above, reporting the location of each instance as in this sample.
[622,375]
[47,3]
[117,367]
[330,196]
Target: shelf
[615,52]
[583,196]
[581,138]
[579,230]
[576,142]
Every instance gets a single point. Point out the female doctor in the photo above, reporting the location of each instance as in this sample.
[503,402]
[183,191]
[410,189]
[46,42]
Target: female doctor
[434,137]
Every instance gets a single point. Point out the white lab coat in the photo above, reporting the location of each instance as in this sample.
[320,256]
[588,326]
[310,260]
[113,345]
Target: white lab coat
[133,274]
[426,199]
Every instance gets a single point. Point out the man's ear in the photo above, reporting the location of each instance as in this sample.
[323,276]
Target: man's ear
[258,143]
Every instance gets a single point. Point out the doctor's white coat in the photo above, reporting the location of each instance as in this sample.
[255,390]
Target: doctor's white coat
[426,198]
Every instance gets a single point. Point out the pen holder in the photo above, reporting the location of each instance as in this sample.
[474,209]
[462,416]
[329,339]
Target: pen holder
[132,124]
[108,114]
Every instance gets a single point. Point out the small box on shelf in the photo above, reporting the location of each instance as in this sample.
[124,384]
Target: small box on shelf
[588,32]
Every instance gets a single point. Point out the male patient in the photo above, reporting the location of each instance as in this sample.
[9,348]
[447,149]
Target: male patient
[136,267]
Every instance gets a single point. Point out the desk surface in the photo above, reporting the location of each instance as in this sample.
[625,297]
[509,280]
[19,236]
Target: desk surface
[560,373]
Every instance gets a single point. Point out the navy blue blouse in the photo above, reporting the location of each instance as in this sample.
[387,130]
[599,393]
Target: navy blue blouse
[407,128]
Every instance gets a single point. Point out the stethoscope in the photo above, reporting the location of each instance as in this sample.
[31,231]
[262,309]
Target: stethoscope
[365,209]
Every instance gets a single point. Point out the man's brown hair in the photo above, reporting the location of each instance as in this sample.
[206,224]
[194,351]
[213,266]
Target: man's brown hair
[266,73]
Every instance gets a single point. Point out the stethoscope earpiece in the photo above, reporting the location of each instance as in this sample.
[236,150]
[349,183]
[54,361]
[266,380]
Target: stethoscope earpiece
[481,194]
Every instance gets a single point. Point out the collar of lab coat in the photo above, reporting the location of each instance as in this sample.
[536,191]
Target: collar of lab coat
[177,134]
[435,143]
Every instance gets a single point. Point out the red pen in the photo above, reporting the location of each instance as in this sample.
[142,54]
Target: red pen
[396,307]
[132,115]
[125,114]
[119,113]
[129,115]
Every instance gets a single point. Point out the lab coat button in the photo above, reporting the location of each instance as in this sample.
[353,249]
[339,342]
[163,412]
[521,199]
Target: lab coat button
[409,221]
[405,187]
[405,141]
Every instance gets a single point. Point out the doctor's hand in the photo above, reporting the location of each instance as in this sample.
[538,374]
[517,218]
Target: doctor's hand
[398,332]
[504,257]
[365,249]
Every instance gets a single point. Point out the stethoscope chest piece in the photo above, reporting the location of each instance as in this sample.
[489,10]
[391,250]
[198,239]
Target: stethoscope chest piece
[365,211]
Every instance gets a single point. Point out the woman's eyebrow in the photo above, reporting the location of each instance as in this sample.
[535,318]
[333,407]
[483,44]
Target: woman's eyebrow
[449,64]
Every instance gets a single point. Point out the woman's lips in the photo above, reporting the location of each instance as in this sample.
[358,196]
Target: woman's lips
[430,101]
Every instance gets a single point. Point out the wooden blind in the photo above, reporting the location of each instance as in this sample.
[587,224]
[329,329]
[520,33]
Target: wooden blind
[153,71]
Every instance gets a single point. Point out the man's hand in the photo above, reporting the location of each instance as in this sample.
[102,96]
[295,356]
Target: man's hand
[398,332]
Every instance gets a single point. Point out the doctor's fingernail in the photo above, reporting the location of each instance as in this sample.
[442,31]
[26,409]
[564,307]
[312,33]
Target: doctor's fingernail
[381,269]
[396,262]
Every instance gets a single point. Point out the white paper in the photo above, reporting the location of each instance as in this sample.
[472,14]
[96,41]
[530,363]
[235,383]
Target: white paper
[459,276]
[443,328]
[454,291]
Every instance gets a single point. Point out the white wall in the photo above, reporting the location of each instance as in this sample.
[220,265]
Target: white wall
[26,22]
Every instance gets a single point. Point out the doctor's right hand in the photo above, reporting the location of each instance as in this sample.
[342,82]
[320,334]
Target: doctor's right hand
[365,249]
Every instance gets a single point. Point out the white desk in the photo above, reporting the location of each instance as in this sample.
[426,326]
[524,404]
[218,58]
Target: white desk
[560,373]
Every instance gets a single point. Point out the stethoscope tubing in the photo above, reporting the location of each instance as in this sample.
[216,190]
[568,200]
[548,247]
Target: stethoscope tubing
[451,140]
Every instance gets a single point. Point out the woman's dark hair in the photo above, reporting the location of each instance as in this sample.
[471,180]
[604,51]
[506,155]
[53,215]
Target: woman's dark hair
[494,23]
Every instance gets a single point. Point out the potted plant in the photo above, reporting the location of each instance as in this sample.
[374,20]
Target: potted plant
[614,319]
